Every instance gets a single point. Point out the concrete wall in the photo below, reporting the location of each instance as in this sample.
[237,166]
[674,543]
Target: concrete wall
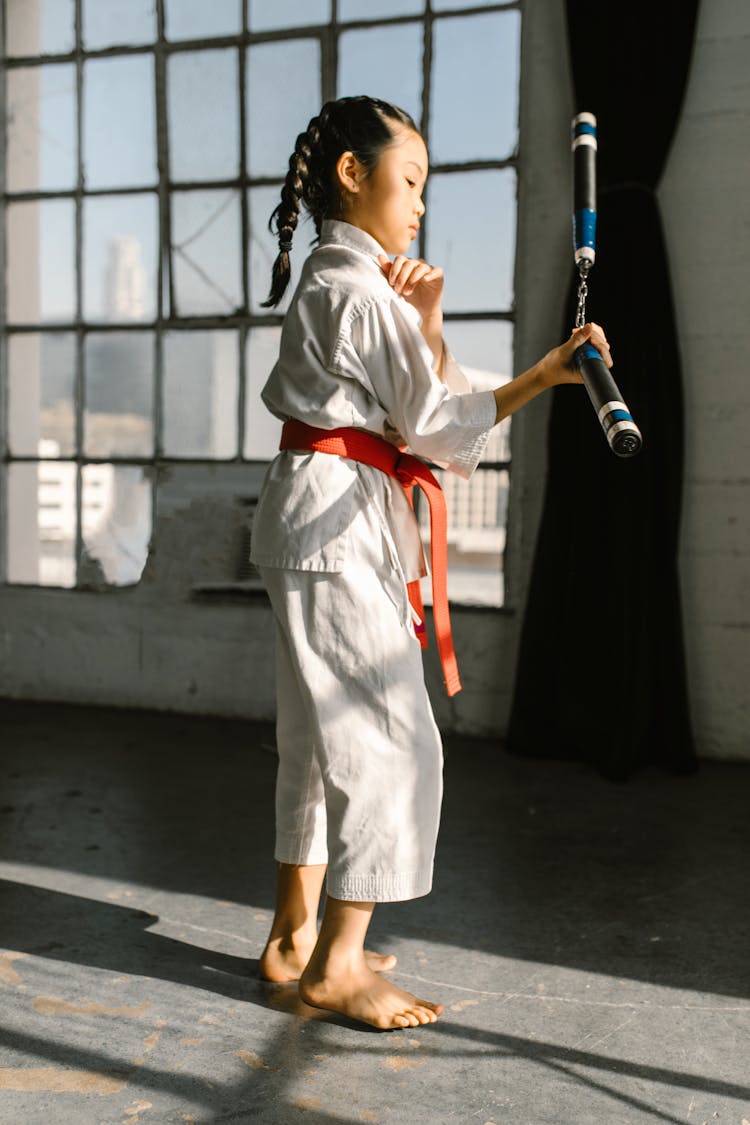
[705,202]
[164,645]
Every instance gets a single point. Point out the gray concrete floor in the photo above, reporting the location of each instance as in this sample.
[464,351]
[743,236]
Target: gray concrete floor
[591,942]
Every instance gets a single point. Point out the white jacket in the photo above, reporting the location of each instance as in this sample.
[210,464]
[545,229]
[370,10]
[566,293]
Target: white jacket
[352,354]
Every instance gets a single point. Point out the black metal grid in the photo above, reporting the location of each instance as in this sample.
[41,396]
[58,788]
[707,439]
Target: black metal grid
[244,319]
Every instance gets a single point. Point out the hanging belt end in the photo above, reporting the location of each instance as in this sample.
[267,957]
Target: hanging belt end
[453,685]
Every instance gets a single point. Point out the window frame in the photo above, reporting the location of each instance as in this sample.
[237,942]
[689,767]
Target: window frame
[243,320]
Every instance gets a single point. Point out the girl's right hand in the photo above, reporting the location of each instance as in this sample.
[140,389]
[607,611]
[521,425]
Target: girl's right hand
[417,281]
[558,366]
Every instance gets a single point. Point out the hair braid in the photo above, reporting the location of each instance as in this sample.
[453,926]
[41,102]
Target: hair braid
[285,215]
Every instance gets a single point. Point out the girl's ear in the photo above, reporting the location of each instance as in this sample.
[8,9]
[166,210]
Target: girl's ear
[348,171]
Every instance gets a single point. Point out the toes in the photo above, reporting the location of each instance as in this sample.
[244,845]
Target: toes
[428,1013]
[420,1015]
[381,962]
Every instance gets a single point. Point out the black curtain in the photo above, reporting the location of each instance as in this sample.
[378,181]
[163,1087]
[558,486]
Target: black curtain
[601,671]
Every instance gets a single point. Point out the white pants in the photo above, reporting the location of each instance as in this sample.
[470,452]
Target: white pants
[359,781]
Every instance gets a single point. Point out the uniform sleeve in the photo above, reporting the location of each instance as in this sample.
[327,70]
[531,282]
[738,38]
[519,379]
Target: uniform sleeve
[448,428]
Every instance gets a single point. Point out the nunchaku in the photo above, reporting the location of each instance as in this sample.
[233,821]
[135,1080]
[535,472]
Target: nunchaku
[620,430]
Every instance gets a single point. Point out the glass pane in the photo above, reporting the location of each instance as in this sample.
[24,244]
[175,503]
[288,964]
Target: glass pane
[119,122]
[477,514]
[46,27]
[377,9]
[476,278]
[42,523]
[41,394]
[118,394]
[196,19]
[41,104]
[385,62]
[264,248]
[41,261]
[487,47]
[118,21]
[267,15]
[206,247]
[450,5]
[201,383]
[482,345]
[484,349]
[204,115]
[274,123]
[119,257]
[116,520]
[262,430]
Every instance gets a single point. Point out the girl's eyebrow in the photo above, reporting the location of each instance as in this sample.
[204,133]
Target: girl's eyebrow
[417,166]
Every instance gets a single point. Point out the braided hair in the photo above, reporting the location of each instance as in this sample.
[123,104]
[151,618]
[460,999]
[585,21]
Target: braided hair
[361,125]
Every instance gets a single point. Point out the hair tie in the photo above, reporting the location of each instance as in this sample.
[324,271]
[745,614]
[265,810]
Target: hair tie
[285,245]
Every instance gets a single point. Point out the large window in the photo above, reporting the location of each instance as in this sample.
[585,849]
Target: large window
[146,143]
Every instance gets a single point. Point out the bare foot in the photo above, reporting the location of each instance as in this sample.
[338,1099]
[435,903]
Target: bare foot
[380,962]
[281,962]
[355,991]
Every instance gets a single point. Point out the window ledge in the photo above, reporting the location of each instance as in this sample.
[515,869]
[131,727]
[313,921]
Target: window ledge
[251,589]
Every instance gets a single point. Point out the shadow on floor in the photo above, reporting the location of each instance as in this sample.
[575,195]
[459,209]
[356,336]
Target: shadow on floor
[448,1046]
[538,861]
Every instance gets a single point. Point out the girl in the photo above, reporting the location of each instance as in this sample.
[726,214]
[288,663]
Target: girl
[360,764]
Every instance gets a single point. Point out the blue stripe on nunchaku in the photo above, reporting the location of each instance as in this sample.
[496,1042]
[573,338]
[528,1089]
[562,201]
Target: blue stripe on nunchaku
[584,123]
[617,422]
[584,228]
[619,416]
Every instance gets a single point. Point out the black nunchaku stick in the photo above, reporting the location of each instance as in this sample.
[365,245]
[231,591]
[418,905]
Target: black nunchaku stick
[621,432]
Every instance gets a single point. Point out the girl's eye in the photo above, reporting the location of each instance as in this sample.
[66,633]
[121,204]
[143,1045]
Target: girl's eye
[411,183]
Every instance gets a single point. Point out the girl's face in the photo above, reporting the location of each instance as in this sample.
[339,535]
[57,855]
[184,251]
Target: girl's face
[387,202]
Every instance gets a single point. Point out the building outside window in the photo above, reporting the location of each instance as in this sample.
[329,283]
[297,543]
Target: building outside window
[146,142]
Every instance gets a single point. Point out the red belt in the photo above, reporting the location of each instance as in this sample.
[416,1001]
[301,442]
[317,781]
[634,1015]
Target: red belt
[409,471]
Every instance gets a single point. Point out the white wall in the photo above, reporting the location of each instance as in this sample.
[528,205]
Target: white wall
[157,645]
[705,203]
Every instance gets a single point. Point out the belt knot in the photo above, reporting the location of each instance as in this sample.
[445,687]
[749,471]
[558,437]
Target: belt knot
[410,471]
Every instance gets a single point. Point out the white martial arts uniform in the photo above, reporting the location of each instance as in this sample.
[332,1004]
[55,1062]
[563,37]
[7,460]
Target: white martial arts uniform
[360,761]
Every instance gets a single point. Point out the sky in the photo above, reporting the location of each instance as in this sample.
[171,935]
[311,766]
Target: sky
[471,216]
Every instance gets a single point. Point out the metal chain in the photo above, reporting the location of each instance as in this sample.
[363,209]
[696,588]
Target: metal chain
[582,294]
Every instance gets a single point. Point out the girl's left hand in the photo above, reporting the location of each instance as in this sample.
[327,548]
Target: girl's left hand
[558,366]
[416,281]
